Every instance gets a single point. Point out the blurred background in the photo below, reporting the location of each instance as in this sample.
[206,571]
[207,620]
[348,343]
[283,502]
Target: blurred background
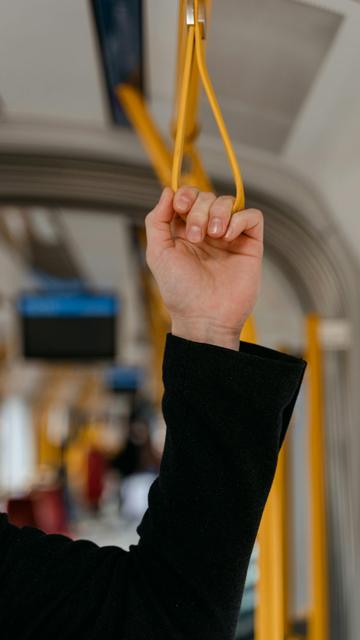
[81,324]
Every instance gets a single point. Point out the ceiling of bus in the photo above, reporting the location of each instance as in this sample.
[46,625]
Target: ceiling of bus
[271,50]
[289,81]
[48,61]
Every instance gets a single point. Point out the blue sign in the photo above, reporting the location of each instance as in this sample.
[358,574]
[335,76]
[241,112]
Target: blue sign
[124,378]
[68,305]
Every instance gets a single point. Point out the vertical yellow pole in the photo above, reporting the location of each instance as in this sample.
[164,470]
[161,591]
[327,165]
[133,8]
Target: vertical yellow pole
[248,333]
[48,454]
[318,620]
[284,461]
[271,612]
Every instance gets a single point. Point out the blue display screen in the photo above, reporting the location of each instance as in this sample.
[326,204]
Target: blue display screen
[124,378]
[119,27]
[79,305]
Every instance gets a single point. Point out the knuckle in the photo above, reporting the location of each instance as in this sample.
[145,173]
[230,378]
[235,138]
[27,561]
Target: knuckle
[207,196]
[223,205]
[259,214]
[196,217]
[186,191]
[204,200]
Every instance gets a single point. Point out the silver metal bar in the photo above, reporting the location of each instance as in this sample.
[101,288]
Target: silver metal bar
[190,15]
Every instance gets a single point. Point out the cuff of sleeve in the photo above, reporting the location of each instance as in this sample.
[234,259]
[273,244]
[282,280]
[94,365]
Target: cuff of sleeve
[255,379]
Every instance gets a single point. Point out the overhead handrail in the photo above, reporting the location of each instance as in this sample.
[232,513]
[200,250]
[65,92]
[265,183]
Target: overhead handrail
[195,54]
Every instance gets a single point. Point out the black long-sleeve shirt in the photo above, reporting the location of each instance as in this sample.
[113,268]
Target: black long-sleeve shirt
[226,415]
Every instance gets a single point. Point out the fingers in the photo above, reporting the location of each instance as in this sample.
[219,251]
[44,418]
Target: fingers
[158,225]
[208,215]
[184,199]
[198,217]
[220,214]
[249,222]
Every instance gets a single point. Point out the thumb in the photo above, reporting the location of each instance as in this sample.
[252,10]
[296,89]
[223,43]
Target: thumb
[158,225]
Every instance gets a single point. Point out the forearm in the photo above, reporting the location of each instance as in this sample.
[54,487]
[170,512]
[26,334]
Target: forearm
[224,432]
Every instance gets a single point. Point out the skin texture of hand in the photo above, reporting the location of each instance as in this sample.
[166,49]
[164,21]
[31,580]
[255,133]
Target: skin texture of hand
[208,268]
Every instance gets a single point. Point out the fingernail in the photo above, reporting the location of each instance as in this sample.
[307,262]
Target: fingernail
[194,234]
[228,234]
[183,204]
[216,226]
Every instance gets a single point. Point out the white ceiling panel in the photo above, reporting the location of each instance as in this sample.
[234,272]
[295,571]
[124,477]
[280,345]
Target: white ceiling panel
[48,61]
[264,56]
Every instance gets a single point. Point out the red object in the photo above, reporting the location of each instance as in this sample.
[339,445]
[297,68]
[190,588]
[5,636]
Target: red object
[21,511]
[95,477]
[44,509]
[50,510]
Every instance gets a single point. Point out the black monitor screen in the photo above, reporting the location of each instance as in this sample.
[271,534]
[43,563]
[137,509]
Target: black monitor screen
[119,29]
[78,326]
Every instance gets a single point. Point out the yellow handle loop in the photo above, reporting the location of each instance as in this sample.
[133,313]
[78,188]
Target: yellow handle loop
[182,111]
[195,54]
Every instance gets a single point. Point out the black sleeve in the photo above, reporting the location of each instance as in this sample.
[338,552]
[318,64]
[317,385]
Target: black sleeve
[226,416]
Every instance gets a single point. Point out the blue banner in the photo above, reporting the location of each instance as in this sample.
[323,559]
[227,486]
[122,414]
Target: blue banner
[79,305]
[124,378]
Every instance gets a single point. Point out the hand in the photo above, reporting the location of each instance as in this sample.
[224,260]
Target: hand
[208,269]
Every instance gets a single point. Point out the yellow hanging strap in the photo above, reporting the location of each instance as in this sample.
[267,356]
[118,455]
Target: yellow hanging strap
[195,54]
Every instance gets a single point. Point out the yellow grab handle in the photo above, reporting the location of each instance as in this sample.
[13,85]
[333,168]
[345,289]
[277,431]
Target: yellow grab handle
[183,102]
[195,54]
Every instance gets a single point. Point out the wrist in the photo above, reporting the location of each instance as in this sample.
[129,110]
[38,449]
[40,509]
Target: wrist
[205,331]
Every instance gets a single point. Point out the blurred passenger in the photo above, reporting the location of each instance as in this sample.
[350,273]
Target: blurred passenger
[227,410]
[138,463]
[134,492]
[139,453]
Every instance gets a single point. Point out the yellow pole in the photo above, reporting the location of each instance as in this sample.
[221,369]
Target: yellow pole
[138,114]
[49,454]
[318,620]
[271,612]
[284,461]
[271,609]
[153,142]
[248,333]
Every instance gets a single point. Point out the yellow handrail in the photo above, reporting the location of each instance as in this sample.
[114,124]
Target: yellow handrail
[319,615]
[138,114]
[194,52]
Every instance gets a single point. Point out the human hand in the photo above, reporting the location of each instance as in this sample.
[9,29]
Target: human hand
[208,268]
